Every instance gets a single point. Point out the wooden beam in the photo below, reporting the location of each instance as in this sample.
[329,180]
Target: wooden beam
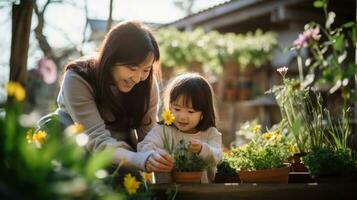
[21,24]
[262,9]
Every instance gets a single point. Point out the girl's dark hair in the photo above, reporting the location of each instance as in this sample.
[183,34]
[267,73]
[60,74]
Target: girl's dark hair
[128,43]
[193,87]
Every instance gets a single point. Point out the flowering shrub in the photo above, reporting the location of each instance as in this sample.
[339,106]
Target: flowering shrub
[268,150]
[331,58]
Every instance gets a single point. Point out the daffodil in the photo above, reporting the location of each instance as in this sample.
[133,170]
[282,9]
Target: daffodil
[146,176]
[15,90]
[168,117]
[39,137]
[267,135]
[131,184]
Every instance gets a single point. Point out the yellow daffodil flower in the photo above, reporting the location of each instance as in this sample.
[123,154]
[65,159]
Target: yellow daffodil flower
[267,135]
[15,90]
[146,176]
[168,117]
[39,137]
[131,184]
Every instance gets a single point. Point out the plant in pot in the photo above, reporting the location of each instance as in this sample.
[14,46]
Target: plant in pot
[188,166]
[226,173]
[264,159]
[333,160]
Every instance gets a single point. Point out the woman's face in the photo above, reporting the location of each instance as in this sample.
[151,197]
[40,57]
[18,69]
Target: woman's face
[127,76]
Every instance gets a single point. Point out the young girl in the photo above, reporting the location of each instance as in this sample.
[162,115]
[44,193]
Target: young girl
[190,99]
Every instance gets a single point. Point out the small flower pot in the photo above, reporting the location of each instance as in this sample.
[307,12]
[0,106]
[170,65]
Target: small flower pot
[187,177]
[275,175]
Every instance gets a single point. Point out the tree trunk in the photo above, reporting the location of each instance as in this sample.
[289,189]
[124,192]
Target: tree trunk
[21,24]
[110,18]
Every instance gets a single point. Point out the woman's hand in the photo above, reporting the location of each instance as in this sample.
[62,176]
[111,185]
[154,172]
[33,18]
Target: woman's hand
[195,146]
[159,161]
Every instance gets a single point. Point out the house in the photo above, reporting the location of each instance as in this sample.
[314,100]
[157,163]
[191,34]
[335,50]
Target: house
[285,17]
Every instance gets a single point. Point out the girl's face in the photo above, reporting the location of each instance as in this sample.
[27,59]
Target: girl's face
[186,118]
[127,76]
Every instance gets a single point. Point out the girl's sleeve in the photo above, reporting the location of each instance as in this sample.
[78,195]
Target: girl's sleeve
[150,117]
[211,148]
[153,140]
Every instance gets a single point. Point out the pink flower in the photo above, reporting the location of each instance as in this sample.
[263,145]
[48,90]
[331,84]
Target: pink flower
[301,41]
[306,37]
[47,69]
[282,70]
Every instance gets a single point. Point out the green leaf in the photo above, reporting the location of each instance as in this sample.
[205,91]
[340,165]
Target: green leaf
[339,43]
[349,24]
[318,4]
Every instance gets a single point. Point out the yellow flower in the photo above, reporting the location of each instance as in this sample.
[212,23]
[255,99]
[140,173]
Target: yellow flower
[267,135]
[168,117]
[29,136]
[15,90]
[146,176]
[39,137]
[291,148]
[256,129]
[277,136]
[74,129]
[130,184]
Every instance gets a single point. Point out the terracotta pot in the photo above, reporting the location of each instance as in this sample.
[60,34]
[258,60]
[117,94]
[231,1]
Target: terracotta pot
[187,177]
[275,175]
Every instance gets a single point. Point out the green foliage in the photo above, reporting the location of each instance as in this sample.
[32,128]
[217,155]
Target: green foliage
[331,53]
[213,49]
[53,166]
[186,161]
[265,151]
[330,162]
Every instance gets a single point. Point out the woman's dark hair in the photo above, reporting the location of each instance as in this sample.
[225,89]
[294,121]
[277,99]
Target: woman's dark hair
[193,87]
[128,43]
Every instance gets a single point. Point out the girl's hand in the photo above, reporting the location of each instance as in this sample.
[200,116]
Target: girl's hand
[159,161]
[195,146]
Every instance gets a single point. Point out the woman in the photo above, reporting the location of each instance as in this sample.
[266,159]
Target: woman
[115,92]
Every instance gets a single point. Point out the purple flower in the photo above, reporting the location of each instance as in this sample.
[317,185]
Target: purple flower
[47,69]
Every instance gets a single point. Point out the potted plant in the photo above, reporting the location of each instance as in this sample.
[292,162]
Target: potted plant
[264,159]
[188,165]
[226,173]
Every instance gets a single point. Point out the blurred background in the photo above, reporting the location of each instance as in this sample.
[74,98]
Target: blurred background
[236,44]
